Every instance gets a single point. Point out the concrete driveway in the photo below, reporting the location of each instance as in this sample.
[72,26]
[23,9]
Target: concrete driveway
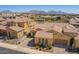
[26,42]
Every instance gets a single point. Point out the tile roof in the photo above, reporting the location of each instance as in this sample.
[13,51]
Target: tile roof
[70,28]
[74,21]
[16,28]
[3,23]
[2,27]
[42,34]
[19,20]
[1,19]
[50,26]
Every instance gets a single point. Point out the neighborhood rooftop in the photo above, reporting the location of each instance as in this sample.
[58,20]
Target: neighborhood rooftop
[42,34]
[2,27]
[16,28]
[18,20]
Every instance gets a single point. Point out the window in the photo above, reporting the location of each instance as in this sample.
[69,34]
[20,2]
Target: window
[46,41]
[39,40]
[43,41]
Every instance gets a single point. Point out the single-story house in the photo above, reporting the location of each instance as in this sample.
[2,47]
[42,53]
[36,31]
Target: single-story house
[43,38]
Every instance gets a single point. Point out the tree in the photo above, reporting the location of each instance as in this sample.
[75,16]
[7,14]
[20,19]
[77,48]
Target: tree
[58,18]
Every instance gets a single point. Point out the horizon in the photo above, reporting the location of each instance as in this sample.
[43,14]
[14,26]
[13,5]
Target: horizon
[23,8]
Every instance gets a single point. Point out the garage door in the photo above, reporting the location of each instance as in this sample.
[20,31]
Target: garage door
[60,41]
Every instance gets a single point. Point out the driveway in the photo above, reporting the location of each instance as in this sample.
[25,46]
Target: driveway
[26,42]
[20,48]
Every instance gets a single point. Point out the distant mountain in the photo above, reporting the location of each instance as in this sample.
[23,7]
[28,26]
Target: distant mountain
[48,12]
[37,12]
[57,12]
[6,11]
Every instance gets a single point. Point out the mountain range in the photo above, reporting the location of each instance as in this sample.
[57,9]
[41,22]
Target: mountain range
[37,12]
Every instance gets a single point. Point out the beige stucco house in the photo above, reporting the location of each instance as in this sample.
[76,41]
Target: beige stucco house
[21,22]
[62,32]
[15,32]
[43,38]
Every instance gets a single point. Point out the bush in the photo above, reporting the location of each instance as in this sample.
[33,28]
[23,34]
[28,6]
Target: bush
[37,46]
[40,49]
[49,46]
[19,42]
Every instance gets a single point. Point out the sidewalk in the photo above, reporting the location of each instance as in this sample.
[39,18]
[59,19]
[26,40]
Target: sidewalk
[57,50]
[21,49]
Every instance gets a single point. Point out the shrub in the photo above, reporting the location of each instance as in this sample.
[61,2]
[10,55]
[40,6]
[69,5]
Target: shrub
[49,46]
[19,42]
[37,46]
[40,49]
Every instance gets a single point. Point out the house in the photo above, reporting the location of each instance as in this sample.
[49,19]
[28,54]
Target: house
[38,27]
[2,19]
[3,30]
[15,32]
[21,22]
[54,28]
[58,35]
[3,23]
[43,38]
[74,21]
[70,30]
[76,41]
[62,32]
[7,14]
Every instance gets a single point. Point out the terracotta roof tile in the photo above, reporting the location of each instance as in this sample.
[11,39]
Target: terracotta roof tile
[42,34]
[16,28]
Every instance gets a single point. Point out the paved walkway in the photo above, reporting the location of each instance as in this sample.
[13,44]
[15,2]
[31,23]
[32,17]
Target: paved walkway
[21,49]
[25,41]
[57,50]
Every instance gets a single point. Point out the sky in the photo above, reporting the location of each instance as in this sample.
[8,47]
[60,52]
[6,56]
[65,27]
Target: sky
[21,8]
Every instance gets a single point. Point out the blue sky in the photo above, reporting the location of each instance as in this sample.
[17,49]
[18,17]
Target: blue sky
[64,8]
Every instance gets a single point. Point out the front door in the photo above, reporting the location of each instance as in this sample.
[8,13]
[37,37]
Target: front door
[71,42]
